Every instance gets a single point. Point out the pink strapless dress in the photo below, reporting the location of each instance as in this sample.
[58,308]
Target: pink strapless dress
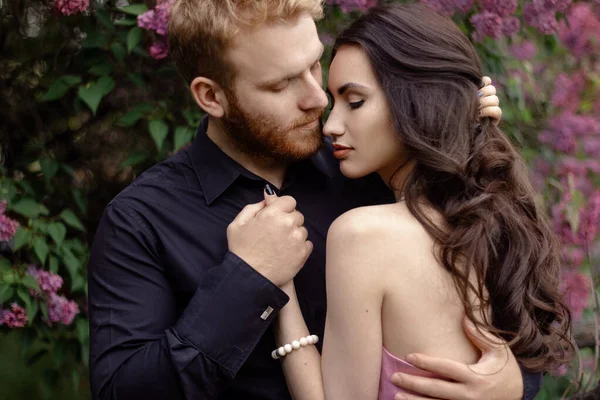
[391,364]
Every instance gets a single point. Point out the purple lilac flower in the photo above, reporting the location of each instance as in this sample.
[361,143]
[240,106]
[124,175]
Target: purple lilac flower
[61,310]
[574,256]
[487,24]
[581,32]
[8,227]
[523,51]
[590,219]
[48,281]
[567,90]
[159,49]
[576,290]
[157,20]
[503,8]
[543,20]
[15,318]
[463,5]
[446,7]
[350,5]
[70,7]
[552,5]
[510,25]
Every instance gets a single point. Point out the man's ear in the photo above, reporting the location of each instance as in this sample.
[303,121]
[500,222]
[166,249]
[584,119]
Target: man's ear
[209,95]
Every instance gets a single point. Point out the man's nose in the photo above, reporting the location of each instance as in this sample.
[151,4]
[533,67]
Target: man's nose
[315,97]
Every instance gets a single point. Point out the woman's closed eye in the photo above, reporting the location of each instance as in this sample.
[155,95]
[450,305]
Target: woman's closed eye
[356,104]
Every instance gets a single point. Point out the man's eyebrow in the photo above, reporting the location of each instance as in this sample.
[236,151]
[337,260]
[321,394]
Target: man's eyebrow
[349,85]
[272,82]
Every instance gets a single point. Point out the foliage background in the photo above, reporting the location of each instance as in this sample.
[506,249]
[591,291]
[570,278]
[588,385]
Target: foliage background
[89,100]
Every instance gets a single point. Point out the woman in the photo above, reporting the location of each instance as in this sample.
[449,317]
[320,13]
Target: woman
[465,236]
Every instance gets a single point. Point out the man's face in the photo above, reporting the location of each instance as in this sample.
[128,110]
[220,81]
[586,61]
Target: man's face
[277,100]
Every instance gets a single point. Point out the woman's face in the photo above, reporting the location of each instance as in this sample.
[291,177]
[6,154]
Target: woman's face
[360,121]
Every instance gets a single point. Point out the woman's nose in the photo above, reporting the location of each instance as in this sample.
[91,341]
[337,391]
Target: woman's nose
[333,126]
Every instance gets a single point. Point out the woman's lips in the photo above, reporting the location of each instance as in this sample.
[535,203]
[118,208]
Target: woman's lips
[340,150]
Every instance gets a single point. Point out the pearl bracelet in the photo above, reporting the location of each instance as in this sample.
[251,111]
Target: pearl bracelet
[295,345]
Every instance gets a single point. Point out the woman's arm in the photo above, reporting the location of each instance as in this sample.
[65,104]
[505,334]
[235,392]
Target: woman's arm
[302,367]
[352,343]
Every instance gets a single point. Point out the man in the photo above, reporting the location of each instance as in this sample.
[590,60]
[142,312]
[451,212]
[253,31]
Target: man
[181,297]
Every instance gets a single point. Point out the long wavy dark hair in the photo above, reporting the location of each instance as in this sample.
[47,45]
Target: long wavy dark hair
[469,172]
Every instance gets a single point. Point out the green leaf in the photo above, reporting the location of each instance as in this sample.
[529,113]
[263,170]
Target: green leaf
[31,310]
[102,69]
[39,226]
[107,83]
[83,330]
[91,95]
[21,238]
[133,38]
[80,200]
[137,80]
[183,135]
[71,262]
[4,264]
[129,118]
[132,116]
[58,232]
[119,52]
[29,208]
[159,131]
[44,310]
[40,247]
[71,80]
[23,295]
[31,283]
[57,89]
[104,18]
[126,22]
[134,159]
[134,9]
[95,40]
[71,219]
[35,357]
[6,293]
[53,264]
[49,168]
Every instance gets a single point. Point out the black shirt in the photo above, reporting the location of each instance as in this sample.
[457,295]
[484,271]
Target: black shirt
[173,314]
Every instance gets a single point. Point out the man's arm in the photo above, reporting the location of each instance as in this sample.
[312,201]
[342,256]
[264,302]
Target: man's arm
[142,346]
[496,376]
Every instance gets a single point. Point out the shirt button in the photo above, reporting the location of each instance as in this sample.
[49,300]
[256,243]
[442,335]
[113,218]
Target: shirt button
[266,313]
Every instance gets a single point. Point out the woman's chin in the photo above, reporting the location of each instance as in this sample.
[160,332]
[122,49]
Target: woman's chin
[352,172]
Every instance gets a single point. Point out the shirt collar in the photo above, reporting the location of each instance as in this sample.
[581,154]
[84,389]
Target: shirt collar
[217,171]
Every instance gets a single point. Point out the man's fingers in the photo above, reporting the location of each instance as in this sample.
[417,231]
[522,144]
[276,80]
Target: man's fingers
[443,367]
[298,218]
[249,212]
[408,396]
[284,203]
[309,248]
[269,197]
[482,339]
[431,387]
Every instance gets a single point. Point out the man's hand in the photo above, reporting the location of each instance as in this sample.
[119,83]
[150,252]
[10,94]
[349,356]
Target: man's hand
[489,103]
[271,238]
[496,376]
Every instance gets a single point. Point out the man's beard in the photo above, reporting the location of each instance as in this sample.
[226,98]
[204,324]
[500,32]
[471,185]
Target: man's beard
[260,137]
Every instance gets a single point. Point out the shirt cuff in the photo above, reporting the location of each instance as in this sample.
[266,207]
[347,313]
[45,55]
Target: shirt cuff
[230,311]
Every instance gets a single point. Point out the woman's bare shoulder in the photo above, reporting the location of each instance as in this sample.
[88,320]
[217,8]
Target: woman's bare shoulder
[375,223]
